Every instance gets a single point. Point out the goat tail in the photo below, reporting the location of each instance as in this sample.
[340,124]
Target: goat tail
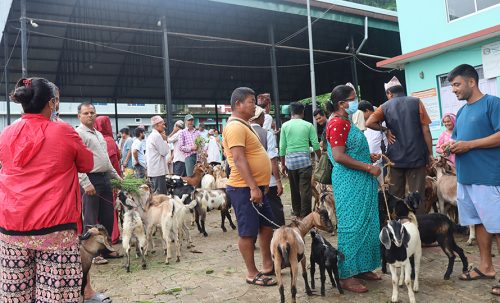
[413,218]
[284,251]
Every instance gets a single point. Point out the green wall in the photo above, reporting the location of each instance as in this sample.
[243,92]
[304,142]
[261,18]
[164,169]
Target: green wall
[424,23]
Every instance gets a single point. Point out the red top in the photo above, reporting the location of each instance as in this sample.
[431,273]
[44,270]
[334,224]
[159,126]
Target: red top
[39,188]
[337,131]
[103,125]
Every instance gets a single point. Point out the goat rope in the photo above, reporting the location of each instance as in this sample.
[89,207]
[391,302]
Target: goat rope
[389,164]
[267,219]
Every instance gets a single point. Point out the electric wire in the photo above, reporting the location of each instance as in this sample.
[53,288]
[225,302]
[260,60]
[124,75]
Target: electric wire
[374,69]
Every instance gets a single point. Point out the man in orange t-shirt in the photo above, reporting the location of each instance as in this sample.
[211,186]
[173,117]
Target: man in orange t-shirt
[247,183]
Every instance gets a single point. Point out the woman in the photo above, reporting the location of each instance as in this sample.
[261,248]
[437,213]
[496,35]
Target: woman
[442,146]
[103,125]
[40,206]
[355,190]
[213,149]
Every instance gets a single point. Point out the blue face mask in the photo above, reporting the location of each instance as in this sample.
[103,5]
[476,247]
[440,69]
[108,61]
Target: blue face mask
[353,106]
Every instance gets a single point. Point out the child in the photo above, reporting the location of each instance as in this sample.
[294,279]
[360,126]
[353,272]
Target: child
[442,146]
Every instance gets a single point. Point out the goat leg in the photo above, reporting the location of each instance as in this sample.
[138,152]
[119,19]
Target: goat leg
[407,273]
[222,220]
[279,278]
[462,256]
[304,275]
[228,215]
[394,277]
[322,278]
[312,269]
[203,216]
[334,278]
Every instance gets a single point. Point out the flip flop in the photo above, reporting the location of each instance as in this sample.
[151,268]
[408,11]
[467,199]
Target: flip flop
[99,298]
[353,286]
[480,276]
[99,260]
[261,280]
[369,276]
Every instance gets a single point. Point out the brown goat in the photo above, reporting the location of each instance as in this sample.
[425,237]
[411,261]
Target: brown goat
[195,179]
[288,247]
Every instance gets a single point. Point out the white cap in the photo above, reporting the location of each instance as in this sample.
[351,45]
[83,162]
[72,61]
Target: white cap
[393,82]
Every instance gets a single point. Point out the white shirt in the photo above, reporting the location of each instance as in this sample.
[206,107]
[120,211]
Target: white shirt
[157,151]
[213,150]
[178,153]
[204,134]
[140,147]
[268,122]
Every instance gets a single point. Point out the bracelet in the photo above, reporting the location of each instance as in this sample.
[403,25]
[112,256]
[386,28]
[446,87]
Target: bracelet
[368,168]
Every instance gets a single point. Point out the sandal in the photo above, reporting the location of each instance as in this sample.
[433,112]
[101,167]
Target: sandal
[99,260]
[99,298]
[352,284]
[261,280]
[467,277]
[369,276]
[495,290]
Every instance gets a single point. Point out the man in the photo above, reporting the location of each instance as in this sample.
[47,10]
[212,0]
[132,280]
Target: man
[264,101]
[477,147]
[179,167]
[268,141]
[409,137]
[296,137]
[98,196]
[138,153]
[373,137]
[157,151]
[203,132]
[187,139]
[126,151]
[321,122]
[249,178]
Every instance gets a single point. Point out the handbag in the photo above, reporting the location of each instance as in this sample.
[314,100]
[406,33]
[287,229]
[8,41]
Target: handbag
[323,169]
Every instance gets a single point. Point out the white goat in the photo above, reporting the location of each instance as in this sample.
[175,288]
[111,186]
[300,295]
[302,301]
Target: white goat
[401,241]
[174,215]
[208,182]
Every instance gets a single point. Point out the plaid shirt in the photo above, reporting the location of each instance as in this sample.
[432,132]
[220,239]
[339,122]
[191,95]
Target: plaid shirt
[186,141]
[297,160]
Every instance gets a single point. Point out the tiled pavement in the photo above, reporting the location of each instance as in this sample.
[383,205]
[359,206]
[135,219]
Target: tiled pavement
[214,272]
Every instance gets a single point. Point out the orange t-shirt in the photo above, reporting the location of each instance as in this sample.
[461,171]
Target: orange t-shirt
[238,134]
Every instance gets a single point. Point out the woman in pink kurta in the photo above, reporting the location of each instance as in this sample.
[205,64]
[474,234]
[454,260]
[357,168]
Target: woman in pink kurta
[445,137]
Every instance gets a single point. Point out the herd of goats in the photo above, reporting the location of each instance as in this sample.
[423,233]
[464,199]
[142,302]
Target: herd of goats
[401,236]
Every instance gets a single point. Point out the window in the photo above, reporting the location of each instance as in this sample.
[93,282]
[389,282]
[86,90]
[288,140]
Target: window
[461,8]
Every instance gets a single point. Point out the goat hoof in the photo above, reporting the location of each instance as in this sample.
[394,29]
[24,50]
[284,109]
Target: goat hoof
[144,266]
[446,277]
[178,260]
[233,227]
[128,269]
[205,234]
[224,230]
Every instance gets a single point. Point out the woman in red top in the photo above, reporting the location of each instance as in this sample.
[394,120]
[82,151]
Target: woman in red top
[103,125]
[40,207]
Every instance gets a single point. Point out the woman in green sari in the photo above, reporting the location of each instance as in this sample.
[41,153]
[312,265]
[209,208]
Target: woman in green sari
[355,191]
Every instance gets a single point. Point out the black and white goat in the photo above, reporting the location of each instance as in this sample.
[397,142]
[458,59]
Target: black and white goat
[208,200]
[402,241]
[327,257]
[133,229]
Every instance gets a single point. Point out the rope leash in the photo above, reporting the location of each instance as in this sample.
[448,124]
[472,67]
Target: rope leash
[260,214]
[386,184]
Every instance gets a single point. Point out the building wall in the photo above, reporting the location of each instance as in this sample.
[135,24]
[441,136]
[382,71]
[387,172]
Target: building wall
[425,22]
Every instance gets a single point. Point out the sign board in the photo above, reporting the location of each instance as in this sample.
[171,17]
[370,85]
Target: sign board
[430,100]
[491,60]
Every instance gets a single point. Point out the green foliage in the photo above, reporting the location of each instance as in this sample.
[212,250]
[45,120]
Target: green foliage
[199,142]
[385,4]
[321,100]
[130,184]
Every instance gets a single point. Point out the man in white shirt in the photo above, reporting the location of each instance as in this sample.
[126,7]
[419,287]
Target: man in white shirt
[138,153]
[268,140]
[157,151]
[203,131]
[179,167]
[264,101]
[374,137]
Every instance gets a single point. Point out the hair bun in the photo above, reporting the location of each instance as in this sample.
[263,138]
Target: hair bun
[22,95]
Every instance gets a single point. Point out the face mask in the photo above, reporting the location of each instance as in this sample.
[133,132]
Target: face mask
[353,107]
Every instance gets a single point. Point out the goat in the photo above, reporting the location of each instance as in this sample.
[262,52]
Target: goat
[402,241]
[432,228]
[328,202]
[195,178]
[174,212]
[133,227]
[94,241]
[431,197]
[446,189]
[327,257]
[220,177]
[208,182]
[287,248]
[208,200]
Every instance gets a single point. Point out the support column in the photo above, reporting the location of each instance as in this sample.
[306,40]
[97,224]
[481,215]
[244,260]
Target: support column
[274,73]
[6,71]
[116,117]
[354,69]
[311,60]
[24,41]
[166,76]
[217,116]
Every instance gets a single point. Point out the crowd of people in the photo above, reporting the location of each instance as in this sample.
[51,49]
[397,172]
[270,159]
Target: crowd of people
[45,159]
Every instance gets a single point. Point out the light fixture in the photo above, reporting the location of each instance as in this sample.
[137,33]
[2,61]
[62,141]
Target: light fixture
[158,23]
[33,23]
[421,75]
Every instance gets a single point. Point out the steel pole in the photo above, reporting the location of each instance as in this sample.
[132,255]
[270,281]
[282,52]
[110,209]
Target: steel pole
[274,74]
[354,69]
[6,71]
[166,76]
[311,60]
[24,41]
[116,117]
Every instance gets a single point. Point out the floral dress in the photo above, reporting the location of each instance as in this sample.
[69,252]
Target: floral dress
[356,201]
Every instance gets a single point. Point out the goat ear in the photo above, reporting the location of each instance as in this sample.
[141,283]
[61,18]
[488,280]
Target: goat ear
[101,239]
[406,237]
[85,236]
[384,237]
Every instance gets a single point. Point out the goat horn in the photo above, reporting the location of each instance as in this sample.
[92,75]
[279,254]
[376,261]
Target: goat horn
[85,236]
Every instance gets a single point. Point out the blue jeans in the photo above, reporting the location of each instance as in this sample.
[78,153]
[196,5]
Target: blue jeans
[190,162]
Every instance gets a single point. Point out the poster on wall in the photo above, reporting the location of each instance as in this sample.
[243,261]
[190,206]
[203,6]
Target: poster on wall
[430,100]
[491,59]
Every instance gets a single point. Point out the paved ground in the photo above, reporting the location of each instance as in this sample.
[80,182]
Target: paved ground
[213,271]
